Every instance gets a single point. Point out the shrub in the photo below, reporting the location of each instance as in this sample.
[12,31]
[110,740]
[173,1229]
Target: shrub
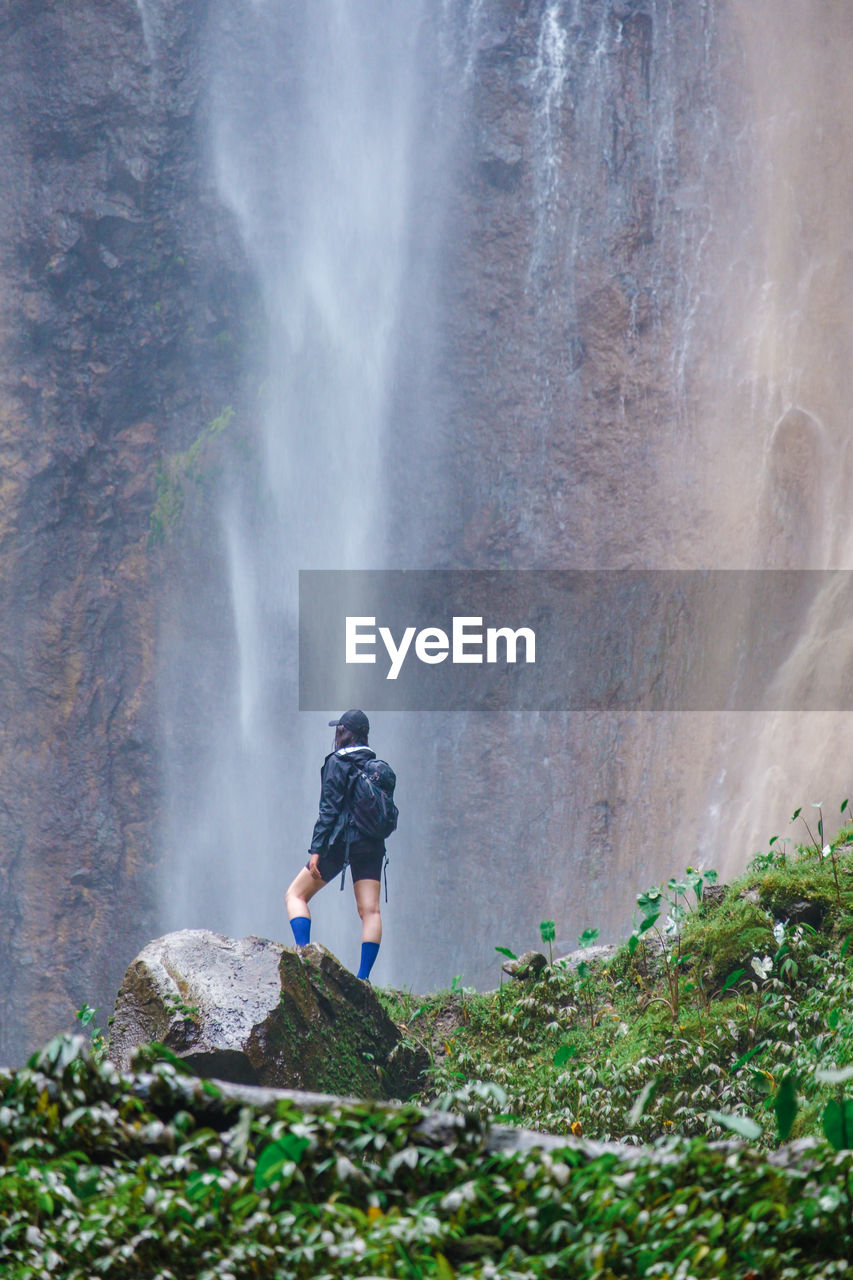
[728,939]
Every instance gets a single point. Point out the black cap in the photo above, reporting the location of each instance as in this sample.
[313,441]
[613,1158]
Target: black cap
[355,721]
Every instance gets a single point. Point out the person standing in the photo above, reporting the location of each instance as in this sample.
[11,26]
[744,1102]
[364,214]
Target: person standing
[335,834]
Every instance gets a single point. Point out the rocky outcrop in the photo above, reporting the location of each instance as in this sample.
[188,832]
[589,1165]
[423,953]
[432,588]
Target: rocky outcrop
[113,296]
[256,1012]
[526,968]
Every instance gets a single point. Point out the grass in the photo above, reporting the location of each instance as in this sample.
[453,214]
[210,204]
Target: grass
[759,999]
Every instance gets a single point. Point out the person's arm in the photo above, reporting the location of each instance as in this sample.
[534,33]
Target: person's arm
[333,796]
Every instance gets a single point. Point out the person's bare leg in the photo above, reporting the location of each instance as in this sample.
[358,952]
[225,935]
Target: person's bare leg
[300,893]
[367,901]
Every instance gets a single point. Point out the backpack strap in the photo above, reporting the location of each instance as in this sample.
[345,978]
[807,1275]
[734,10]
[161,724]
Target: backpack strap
[347,843]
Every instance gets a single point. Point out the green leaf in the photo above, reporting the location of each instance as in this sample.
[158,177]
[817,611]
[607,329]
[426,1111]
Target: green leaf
[200,1188]
[563,1054]
[844,804]
[786,1106]
[273,1158]
[633,943]
[742,1061]
[644,1097]
[243,1206]
[583,970]
[588,937]
[731,980]
[834,1019]
[547,929]
[85,1015]
[443,1269]
[796,814]
[650,901]
[649,922]
[837,1123]
[741,1125]
[505,951]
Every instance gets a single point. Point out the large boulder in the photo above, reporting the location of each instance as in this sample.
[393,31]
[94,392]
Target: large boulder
[256,1012]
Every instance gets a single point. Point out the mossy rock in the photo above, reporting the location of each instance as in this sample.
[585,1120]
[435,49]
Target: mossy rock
[253,1011]
[800,891]
[333,1030]
[739,929]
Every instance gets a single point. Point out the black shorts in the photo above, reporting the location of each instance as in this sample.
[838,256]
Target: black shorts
[365,860]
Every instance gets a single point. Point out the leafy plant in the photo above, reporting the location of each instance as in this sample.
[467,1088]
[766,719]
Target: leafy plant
[584,970]
[175,1005]
[85,1016]
[674,899]
[127,1177]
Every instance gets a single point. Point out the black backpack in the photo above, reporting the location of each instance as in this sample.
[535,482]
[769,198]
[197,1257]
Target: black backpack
[371,799]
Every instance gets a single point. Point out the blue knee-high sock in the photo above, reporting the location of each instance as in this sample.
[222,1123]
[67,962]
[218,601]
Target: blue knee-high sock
[369,952]
[301,926]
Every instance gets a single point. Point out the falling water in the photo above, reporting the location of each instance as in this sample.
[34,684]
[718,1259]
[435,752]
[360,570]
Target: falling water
[314,117]
[145,17]
[540,285]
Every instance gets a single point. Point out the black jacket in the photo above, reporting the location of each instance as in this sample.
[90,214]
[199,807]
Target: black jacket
[334,822]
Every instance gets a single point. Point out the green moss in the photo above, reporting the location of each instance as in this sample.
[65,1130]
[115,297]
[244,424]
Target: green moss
[176,473]
[801,881]
[330,1031]
[727,940]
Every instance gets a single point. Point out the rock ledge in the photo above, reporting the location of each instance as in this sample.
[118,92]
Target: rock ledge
[255,1012]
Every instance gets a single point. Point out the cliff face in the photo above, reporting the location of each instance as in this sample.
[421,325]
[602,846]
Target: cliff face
[590,220]
[109,313]
[532,294]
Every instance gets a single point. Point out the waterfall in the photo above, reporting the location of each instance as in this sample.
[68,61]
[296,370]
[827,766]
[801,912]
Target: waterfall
[530,292]
[314,111]
[147,19]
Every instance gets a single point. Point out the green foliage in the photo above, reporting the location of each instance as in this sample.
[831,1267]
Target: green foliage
[277,1162]
[837,1123]
[726,939]
[174,1005]
[178,472]
[672,902]
[160,1176]
[798,882]
[98,1041]
[576,1050]
[741,1125]
[547,930]
[786,1106]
